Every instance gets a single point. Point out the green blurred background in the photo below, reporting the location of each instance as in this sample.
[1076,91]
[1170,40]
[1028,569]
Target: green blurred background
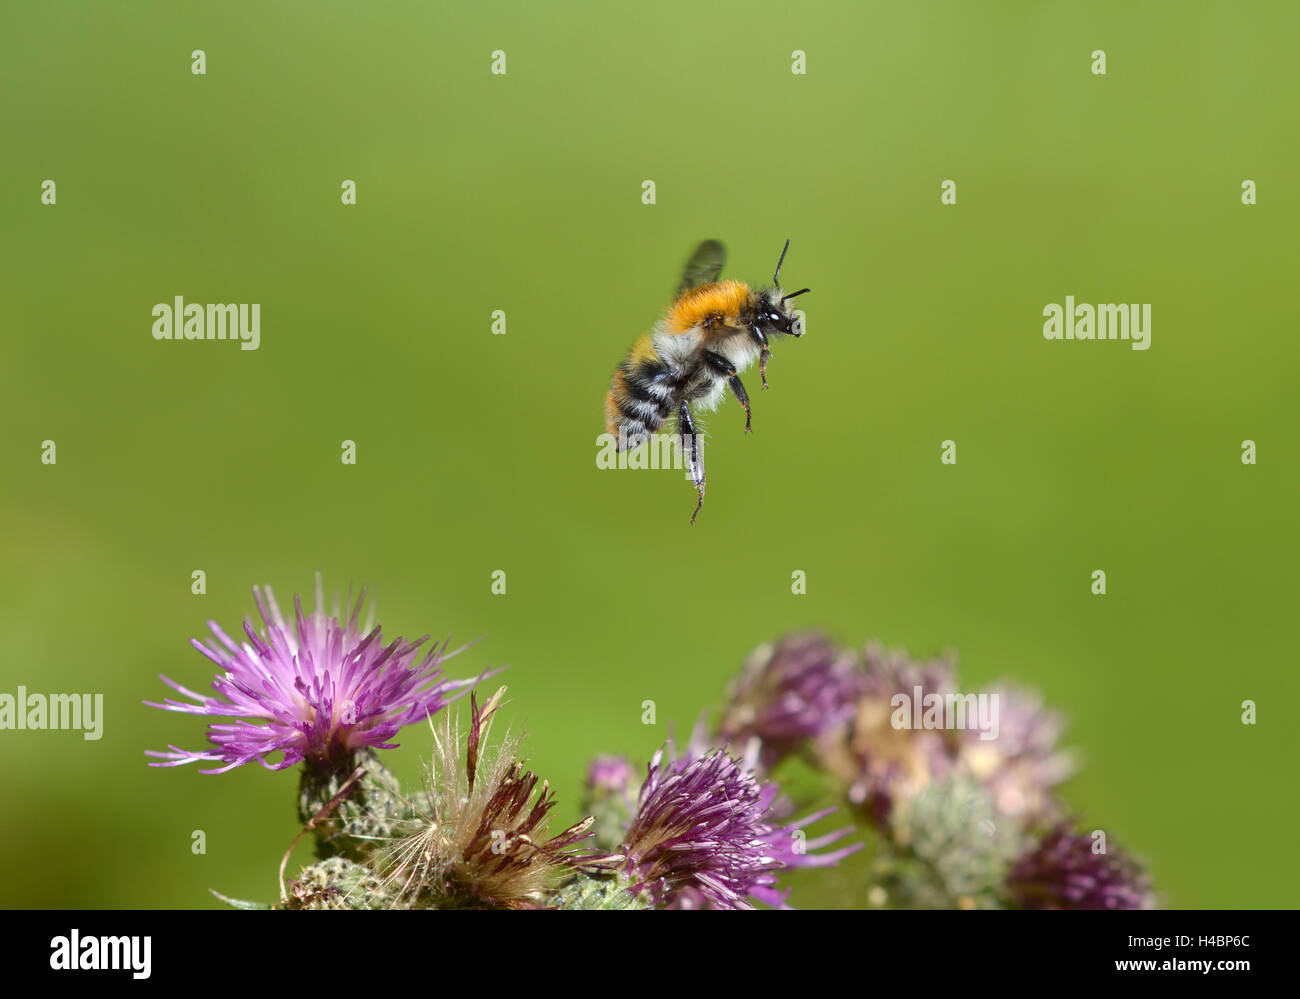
[477,452]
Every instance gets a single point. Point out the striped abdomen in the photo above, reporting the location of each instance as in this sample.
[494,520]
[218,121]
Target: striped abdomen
[641,396]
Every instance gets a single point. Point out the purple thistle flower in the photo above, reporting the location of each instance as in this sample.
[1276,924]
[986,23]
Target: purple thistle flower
[880,764]
[610,775]
[610,797]
[317,692]
[1063,872]
[889,671]
[706,834]
[1024,763]
[791,692]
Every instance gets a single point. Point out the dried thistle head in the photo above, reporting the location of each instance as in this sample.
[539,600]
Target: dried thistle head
[482,838]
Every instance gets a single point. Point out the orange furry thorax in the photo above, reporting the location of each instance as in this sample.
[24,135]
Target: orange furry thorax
[707,305]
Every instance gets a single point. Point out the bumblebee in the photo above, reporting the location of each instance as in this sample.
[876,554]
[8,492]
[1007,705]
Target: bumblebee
[713,331]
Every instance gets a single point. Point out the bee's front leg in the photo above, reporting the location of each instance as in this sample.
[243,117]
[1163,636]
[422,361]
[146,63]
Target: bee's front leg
[690,442]
[724,367]
[764,352]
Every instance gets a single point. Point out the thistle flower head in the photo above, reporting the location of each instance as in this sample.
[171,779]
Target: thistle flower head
[889,671]
[1063,871]
[883,764]
[484,842]
[789,692]
[707,834]
[610,775]
[610,798]
[1024,763]
[955,849]
[317,691]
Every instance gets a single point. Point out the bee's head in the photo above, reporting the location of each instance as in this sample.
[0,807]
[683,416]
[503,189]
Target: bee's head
[775,314]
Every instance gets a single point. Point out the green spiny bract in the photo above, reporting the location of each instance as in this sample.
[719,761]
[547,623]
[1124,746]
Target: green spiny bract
[952,848]
[585,892]
[353,821]
[336,883]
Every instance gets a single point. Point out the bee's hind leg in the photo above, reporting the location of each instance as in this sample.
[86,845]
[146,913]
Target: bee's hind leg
[724,367]
[690,442]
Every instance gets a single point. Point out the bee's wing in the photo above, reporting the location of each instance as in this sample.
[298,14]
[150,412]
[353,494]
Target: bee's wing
[704,267]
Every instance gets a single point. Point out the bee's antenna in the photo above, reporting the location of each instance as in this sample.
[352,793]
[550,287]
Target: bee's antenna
[795,294]
[776,283]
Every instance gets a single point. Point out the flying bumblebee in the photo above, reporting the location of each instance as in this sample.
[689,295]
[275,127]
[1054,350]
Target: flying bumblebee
[713,331]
